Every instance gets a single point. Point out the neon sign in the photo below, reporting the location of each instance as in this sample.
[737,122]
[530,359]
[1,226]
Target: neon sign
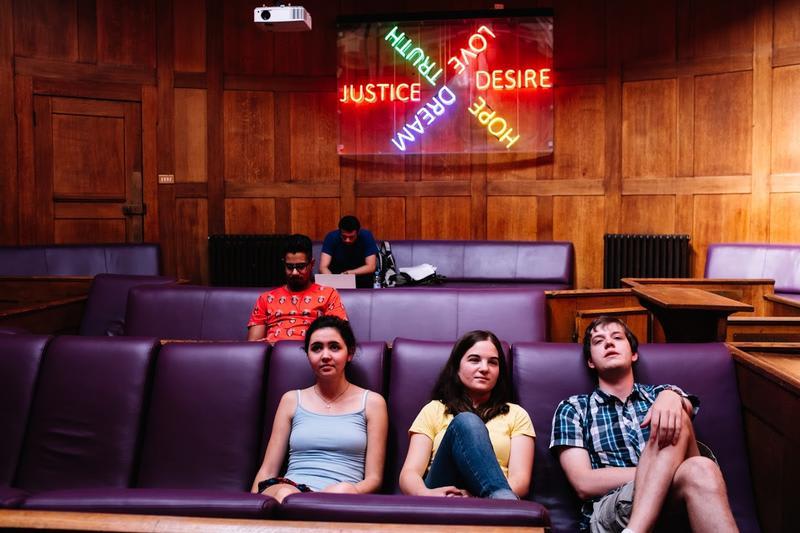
[467,84]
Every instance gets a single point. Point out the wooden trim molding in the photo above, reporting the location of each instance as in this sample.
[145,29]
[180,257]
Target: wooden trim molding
[692,67]
[234,189]
[565,187]
[48,68]
[302,84]
[696,185]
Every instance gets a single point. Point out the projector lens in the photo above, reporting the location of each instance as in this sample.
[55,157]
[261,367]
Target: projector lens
[265,14]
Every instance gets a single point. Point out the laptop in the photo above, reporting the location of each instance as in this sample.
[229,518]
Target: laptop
[337,281]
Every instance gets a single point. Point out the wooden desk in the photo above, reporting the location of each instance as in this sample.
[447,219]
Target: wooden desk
[563,307]
[749,291]
[54,317]
[780,306]
[689,314]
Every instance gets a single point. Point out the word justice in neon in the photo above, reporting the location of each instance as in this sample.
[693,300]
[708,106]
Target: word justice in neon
[428,114]
[505,80]
[380,92]
[497,126]
[477,44]
[416,56]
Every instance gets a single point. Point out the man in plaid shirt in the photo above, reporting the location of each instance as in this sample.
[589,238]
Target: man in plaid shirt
[628,448]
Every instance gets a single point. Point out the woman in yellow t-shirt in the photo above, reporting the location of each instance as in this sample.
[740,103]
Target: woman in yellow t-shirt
[470,440]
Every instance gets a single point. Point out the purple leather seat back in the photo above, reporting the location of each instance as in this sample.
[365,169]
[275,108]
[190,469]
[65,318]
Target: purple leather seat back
[203,427]
[289,370]
[23,261]
[190,312]
[415,365]
[514,315]
[84,423]
[780,262]
[108,299]
[79,260]
[546,373]
[20,357]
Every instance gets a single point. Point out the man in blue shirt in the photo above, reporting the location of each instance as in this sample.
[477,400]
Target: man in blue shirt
[350,250]
[629,448]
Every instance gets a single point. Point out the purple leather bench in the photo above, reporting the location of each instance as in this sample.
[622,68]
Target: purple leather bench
[541,264]
[780,262]
[546,373]
[220,313]
[80,260]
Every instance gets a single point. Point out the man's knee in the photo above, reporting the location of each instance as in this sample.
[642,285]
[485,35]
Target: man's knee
[698,475]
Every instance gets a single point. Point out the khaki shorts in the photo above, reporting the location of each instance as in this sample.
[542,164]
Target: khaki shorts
[612,512]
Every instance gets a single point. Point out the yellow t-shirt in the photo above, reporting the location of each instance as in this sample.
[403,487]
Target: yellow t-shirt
[432,422]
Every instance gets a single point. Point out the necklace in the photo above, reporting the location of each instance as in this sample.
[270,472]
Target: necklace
[328,403]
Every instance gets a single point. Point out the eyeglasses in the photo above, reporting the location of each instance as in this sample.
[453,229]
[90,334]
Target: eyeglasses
[295,266]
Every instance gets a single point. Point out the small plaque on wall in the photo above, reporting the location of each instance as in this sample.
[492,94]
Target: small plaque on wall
[446,83]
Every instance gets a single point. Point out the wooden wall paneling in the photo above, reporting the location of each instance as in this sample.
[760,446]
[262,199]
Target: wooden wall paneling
[544,218]
[150,163]
[647,214]
[89,89]
[314,217]
[722,27]
[249,216]
[215,118]
[309,53]
[579,150]
[684,166]
[649,117]
[87,231]
[783,226]
[282,153]
[445,217]
[718,218]
[165,134]
[577,219]
[9,190]
[249,136]
[192,243]
[787,32]
[512,218]
[577,34]
[762,123]
[313,132]
[191,141]
[613,123]
[248,49]
[385,216]
[347,190]
[723,139]
[87,31]
[46,29]
[684,220]
[42,208]
[785,141]
[478,197]
[23,109]
[126,32]
[134,171]
[649,31]
[189,39]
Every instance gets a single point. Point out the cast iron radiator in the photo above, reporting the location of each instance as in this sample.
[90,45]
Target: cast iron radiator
[246,260]
[644,256]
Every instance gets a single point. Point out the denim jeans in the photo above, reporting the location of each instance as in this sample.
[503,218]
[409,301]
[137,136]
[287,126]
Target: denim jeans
[465,459]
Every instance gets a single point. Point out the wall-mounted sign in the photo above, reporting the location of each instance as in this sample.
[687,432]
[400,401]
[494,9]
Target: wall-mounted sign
[482,82]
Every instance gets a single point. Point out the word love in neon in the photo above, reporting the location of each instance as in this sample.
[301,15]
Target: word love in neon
[380,92]
[416,56]
[504,80]
[477,43]
[427,113]
[497,126]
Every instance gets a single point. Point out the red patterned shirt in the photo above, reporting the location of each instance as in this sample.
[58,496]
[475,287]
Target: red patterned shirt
[287,314]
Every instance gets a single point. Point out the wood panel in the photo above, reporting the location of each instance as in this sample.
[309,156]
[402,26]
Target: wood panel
[249,136]
[78,231]
[723,139]
[647,214]
[783,226]
[649,128]
[579,150]
[577,36]
[292,55]
[787,24]
[314,217]
[512,218]
[191,142]
[722,27]
[248,49]
[313,132]
[249,215]
[385,217]
[190,35]
[786,119]
[126,32]
[445,218]
[573,220]
[46,29]
[718,218]
[650,35]
[9,193]
[192,239]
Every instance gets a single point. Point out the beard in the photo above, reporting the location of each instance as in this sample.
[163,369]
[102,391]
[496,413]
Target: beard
[296,283]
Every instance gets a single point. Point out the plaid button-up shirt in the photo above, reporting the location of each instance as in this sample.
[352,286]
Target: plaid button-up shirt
[608,428]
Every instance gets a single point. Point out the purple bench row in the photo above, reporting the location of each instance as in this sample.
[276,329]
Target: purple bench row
[121,425]
[79,260]
[780,262]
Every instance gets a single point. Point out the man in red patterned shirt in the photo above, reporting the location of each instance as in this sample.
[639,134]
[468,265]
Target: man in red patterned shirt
[285,313]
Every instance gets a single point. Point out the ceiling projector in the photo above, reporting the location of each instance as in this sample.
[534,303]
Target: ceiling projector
[282,18]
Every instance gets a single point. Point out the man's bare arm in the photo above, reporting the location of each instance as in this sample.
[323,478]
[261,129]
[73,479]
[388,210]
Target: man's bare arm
[589,482]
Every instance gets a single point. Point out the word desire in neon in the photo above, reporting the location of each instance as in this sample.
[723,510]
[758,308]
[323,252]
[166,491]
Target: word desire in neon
[505,80]
[380,92]
[477,44]
[497,126]
[424,117]
[416,56]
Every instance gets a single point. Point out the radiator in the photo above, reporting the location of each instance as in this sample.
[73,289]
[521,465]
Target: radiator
[246,260]
[644,256]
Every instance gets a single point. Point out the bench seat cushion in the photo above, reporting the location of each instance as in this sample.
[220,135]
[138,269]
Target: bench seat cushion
[11,498]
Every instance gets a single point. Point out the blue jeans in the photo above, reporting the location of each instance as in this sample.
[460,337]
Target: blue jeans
[465,459]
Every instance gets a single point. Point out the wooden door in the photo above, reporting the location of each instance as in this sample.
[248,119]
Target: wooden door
[88,157]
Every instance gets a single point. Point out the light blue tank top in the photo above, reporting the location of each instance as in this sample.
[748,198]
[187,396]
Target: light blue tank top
[327,449]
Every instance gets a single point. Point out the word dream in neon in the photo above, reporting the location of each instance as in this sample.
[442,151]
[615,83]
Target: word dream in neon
[414,55]
[428,113]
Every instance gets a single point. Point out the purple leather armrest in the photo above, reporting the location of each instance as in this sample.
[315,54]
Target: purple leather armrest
[393,508]
[11,498]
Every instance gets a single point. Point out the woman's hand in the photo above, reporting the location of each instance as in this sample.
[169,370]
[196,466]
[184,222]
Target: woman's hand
[448,491]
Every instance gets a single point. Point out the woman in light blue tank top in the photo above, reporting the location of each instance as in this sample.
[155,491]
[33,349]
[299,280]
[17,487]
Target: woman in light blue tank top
[334,431]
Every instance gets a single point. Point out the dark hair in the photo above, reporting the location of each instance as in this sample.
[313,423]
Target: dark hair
[349,223]
[605,320]
[451,392]
[298,243]
[330,321]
